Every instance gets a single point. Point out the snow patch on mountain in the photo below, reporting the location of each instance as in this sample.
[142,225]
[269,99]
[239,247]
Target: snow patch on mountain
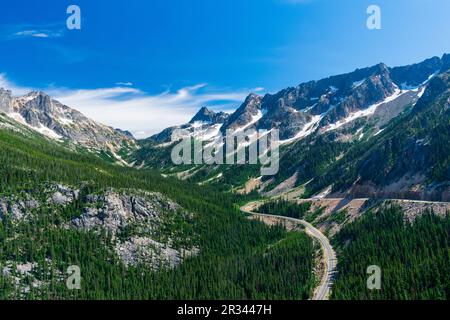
[363,113]
[359,133]
[356,84]
[49,133]
[253,120]
[406,87]
[308,129]
[333,89]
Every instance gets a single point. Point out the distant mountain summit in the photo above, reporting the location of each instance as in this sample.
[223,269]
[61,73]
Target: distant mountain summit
[40,112]
[206,115]
[204,125]
[246,115]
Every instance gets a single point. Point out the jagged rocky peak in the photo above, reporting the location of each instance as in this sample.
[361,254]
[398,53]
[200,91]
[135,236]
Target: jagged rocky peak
[36,94]
[317,96]
[344,83]
[9,103]
[252,104]
[205,122]
[38,101]
[209,116]
[246,115]
[252,100]
[5,93]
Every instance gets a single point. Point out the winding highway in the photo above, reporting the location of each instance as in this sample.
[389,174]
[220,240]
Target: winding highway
[322,291]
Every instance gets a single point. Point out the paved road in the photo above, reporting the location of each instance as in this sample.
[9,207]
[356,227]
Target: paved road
[322,292]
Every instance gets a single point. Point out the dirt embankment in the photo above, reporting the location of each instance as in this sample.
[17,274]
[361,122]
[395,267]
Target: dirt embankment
[330,214]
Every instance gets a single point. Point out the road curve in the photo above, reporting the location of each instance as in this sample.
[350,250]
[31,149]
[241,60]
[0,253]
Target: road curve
[322,291]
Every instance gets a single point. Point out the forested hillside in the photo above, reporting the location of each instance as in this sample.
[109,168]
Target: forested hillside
[414,257]
[285,208]
[237,258]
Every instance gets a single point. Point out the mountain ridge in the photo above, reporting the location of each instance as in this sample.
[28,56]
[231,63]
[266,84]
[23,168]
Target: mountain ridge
[324,120]
[293,109]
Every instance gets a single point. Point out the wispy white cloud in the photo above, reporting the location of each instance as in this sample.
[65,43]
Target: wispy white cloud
[137,111]
[23,31]
[258,89]
[39,33]
[142,113]
[128,84]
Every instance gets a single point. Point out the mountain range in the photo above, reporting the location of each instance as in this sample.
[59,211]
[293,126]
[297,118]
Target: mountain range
[323,127]
[322,122]
[326,104]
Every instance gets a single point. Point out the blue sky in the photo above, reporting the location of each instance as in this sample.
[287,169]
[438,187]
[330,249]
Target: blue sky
[144,65]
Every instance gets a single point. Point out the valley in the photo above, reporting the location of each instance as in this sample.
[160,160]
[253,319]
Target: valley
[328,256]
[364,179]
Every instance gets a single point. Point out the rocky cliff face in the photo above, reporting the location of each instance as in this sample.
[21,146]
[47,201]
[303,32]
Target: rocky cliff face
[246,115]
[113,211]
[333,99]
[136,220]
[6,101]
